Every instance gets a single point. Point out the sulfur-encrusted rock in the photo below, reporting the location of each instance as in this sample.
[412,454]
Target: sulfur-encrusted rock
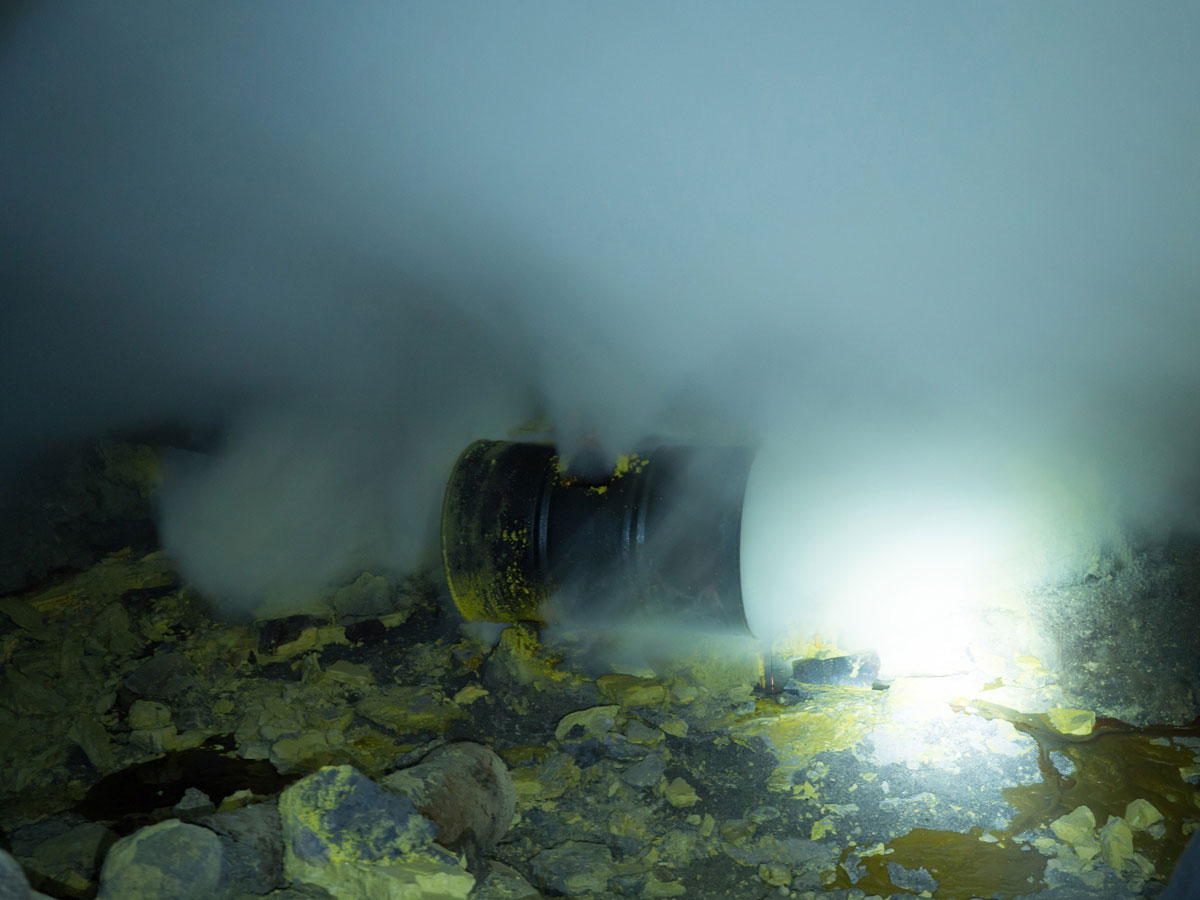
[661,883]
[1142,814]
[573,868]
[345,833]
[1072,721]
[680,794]
[639,732]
[406,710]
[630,690]
[348,674]
[1076,827]
[775,874]
[1116,842]
[594,721]
[557,774]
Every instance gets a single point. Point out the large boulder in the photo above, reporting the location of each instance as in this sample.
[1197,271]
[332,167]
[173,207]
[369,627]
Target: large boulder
[343,832]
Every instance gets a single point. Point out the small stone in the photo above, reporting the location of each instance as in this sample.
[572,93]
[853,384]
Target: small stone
[915,881]
[504,883]
[707,824]
[223,707]
[683,692]
[1141,814]
[406,710]
[1116,843]
[189,740]
[557,774]
[353,675]
[109,632]
[1072,721]
[1086,848]
[1144,865]
[736,831]
[646,773]
[625,824]
[775,874]
[584,723]
[153,740]
[630,690]
[371,595]
[820,828]
[573,868]
[659,884]
[306,750]
[93,739]
[1076,826]
[616,746]
[640,733]
[149,714]
[164,676]
[680,794]
[469,694]
[674,727]
[194,801]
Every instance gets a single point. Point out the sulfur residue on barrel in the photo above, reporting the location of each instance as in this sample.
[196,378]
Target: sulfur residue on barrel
[659,537]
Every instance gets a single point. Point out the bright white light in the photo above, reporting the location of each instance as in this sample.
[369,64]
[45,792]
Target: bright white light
[914,593]
[864,564]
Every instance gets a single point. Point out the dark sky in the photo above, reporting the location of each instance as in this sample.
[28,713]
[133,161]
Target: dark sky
[924,250]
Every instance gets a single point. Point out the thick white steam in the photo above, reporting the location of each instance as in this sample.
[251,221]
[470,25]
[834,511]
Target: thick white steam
[938,261]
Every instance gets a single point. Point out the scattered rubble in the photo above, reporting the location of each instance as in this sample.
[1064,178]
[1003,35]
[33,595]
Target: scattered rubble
[371,747]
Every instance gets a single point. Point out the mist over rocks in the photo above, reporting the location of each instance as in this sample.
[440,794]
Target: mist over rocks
[929,258]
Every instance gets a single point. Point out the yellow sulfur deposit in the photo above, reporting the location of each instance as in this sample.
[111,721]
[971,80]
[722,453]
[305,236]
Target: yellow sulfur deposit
[1072,721]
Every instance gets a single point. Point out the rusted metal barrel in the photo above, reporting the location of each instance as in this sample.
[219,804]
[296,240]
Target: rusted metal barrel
[524,540]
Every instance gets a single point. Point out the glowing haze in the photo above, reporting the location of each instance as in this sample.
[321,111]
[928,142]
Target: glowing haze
[939,261]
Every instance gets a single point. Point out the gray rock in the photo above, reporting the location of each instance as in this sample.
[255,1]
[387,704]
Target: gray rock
[296,892]
[617,746]
[258,827]
[504,883]
[646,773]
[162,677]
[917,880]
[13,884]
[379,823]
[573,868]
[369,596]
[74,854]
[184,862]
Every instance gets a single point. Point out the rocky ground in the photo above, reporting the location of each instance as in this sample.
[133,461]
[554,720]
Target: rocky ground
[1062,769]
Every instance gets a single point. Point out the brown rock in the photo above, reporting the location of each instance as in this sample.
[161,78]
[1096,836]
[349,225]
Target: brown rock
[466,791]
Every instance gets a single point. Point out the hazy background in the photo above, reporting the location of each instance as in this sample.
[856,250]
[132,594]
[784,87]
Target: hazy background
[938,260]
